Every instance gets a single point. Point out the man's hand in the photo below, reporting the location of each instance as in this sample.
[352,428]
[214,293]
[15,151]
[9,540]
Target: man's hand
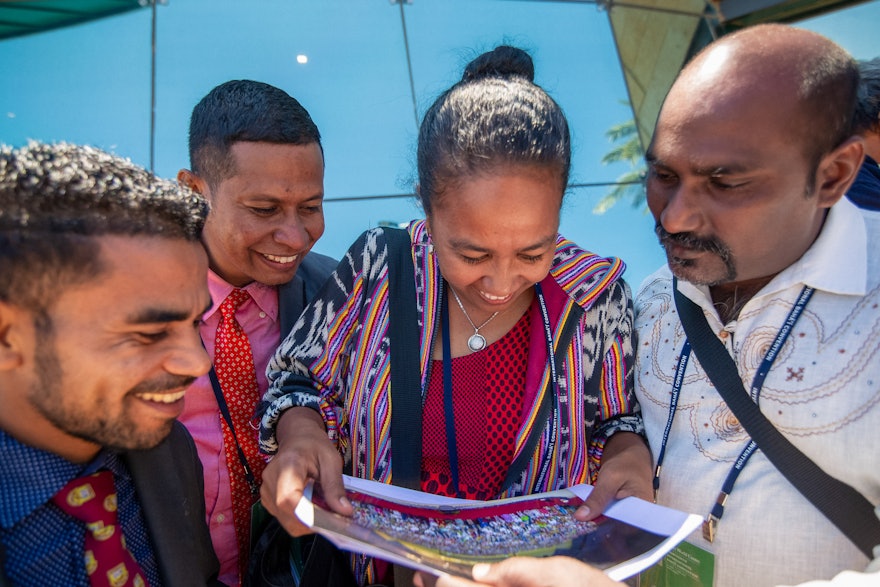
[625,471]
[304,453]
[556,571]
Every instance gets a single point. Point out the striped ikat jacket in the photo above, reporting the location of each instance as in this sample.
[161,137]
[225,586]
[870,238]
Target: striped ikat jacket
[336,361]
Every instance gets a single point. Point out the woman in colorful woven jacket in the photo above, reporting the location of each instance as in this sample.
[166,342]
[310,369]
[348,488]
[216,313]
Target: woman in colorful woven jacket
[536,332]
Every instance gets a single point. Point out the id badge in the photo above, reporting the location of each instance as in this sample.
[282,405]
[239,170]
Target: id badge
[685,566]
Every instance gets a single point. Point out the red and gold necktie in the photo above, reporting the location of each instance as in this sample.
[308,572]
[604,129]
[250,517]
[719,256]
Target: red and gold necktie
[92,500]
[234,365]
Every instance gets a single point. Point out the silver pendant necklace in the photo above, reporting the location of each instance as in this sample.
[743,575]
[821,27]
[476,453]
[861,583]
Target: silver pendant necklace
[476,342]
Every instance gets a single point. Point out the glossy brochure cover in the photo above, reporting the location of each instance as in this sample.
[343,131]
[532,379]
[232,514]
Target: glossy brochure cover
[445,535]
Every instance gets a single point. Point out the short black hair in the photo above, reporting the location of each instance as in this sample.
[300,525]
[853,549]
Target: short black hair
[56,199]
[868,108]
[495,116]
[243,110]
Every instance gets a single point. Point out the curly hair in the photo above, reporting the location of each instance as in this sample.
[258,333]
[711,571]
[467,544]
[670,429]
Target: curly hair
[56,199]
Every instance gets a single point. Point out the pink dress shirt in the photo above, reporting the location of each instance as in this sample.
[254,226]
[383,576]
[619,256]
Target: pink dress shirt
[201,415]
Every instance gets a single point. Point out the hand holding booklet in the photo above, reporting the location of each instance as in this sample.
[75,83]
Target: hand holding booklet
[445,535]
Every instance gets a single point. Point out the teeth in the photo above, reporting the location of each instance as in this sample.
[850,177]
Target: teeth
[278,259]
[162,398]
[493,298]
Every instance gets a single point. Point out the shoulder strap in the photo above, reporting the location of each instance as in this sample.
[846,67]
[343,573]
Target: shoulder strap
[844,506]
[403,332]
[548,404]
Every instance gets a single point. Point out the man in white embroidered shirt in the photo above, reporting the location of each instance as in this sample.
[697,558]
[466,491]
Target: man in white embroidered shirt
[751,156]
[750,159]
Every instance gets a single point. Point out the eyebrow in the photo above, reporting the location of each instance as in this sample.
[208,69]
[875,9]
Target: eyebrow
[161,315]
[276,200]
[702,171]
[464,244]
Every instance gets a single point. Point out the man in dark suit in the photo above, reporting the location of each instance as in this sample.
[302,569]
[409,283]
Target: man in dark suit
[865,190]
[102,290]
[256,156]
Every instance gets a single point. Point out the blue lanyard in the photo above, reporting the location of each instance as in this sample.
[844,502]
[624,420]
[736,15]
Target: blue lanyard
[710,525]
[449,414]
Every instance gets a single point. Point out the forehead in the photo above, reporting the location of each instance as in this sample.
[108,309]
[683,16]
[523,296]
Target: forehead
[503,207]
[275,167]
[139,275]
[714,123]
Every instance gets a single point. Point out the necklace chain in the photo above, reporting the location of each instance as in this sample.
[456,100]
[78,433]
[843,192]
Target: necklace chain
[476,342]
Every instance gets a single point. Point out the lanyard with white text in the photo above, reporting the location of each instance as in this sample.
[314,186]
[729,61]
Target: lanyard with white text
[448,412]
[711,523]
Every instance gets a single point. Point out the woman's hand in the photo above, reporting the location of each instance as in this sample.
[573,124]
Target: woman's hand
[625,471]
[557,571]
[304,453]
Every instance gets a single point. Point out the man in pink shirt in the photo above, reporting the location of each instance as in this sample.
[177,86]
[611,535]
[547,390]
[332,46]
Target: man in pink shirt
[256,156]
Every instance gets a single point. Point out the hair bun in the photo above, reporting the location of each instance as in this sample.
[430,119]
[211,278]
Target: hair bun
[502,61]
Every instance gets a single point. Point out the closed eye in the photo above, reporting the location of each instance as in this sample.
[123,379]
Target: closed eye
[661,175]
[151,337]
[474,260]
[263,211]
[720,183]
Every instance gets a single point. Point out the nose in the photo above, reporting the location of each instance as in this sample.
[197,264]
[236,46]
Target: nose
[678,209]
[501,281]
[292,234]
[189,358]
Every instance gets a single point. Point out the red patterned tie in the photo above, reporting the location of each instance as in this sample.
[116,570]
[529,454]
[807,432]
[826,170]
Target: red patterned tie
[92,500]
[234,364]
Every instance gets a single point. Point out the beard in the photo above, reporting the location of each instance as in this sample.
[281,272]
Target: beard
[693,270]
[111,426]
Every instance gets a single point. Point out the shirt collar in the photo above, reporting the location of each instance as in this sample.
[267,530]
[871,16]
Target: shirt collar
[838,260]
[30,476]
[265,296]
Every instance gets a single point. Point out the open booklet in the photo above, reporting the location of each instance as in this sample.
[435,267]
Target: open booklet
[444,535]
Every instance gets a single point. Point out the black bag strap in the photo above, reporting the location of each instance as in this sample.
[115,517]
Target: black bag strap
[844,506]
[403,332]
[548,403]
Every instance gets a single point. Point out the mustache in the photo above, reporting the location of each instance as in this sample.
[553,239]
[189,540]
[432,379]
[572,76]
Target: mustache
[163,384]
[691,241]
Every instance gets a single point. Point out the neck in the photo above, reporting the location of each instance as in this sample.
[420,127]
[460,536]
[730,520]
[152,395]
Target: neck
[730,298]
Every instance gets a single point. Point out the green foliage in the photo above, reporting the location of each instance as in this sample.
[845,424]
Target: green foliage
[631,185]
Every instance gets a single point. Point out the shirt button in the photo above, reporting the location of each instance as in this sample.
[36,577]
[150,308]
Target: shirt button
[262,314]
[723,334]
[220,518]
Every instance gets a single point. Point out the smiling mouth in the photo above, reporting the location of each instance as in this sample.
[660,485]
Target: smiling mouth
[489,297]
[284,260]
[162,398]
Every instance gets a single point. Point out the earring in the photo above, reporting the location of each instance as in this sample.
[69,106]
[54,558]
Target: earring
[430,249]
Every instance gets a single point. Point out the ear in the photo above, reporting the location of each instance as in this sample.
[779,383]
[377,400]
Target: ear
[15,328]
[188,178]
[837,170]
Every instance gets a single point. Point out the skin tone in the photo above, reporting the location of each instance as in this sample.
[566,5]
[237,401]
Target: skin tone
[494,238]
[557,571]
[267,215]
[730,186]
[122,350]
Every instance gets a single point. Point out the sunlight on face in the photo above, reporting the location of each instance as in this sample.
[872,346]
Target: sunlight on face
[495,235]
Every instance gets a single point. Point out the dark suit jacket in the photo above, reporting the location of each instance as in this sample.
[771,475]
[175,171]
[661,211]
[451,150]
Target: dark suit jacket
[168,482]
[295,294]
